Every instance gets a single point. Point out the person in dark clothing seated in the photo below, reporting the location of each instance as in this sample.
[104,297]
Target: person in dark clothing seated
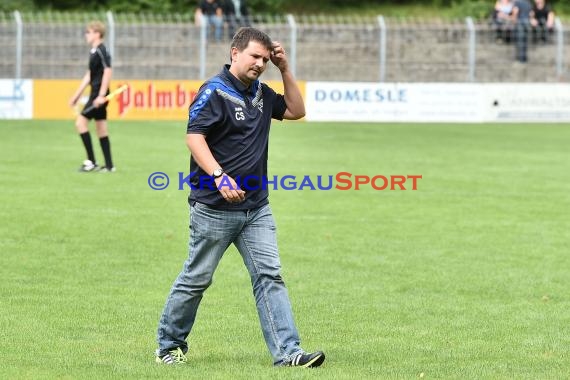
[541,21]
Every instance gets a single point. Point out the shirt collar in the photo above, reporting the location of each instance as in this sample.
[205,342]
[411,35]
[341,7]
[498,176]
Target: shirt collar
[238,85]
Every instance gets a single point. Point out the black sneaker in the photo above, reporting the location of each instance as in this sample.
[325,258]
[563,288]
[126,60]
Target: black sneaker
[308,360]
[173,357]
[105,169]
[88,166]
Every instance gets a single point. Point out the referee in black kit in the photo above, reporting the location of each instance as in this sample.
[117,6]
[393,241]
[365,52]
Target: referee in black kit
[99,77]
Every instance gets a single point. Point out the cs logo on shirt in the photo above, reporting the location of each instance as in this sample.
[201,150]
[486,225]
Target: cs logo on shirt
[239,114]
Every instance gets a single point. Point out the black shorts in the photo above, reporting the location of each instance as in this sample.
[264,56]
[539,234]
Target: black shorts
[99,113]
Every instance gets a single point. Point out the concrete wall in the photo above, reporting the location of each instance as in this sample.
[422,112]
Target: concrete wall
[416,52]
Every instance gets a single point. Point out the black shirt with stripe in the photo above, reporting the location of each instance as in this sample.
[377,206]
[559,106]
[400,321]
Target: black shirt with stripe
[235,120]
[99,60]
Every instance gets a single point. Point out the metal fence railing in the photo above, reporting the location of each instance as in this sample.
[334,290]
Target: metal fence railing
[328,48]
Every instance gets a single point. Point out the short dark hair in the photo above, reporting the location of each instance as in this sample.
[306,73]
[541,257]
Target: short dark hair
[246,34]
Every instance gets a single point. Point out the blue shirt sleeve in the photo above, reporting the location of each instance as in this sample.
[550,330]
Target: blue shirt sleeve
[205,111]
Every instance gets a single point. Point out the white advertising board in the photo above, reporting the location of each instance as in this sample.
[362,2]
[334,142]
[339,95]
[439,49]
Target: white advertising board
[437,102]
[16,99]
[527,102]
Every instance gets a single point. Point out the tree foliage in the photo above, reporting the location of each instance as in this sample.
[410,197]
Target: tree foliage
[476,8]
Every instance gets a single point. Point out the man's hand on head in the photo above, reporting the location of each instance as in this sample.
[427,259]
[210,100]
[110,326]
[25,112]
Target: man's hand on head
[279,57]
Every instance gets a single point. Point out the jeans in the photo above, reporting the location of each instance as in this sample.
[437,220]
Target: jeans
[217,22]
[212,231]
[234,23]
[522,40]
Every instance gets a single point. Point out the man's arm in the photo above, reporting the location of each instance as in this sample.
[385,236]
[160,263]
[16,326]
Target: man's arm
[293,98]
[203,156]
[80,89]
[107,72]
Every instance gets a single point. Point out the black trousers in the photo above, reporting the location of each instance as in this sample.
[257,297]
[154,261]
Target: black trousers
[541,32]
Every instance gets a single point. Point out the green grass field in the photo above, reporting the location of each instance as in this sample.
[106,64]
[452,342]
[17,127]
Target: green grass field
[467,277]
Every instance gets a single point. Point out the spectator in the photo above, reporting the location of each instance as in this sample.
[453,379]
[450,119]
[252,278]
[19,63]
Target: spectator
[503,20]
[236,15]
[542,21]
[211,14]
[521,12]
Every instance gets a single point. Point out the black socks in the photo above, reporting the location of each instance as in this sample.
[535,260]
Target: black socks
[86,138]
[106,147]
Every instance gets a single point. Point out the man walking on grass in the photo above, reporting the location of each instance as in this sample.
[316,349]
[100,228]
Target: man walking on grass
[227,134]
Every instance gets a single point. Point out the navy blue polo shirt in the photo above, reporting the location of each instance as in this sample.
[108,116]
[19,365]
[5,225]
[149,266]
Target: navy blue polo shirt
[235,120]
